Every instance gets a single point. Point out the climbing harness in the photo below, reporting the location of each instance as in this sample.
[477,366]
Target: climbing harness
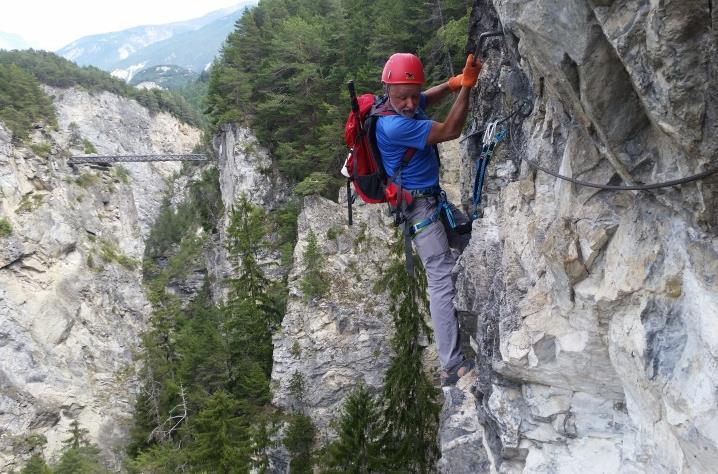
[442,205]
[490,140]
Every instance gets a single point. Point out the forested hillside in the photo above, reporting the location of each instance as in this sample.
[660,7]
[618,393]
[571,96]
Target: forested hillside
[23,103]
[283,70]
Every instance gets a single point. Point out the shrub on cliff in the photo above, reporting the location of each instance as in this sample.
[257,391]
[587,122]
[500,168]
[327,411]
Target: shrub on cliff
[22,101]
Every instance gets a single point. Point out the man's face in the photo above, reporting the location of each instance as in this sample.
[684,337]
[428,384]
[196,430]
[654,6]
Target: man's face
[404,98]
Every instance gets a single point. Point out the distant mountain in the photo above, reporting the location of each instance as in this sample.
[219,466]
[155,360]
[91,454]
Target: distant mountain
[165,76]
[12,41]
[191,44]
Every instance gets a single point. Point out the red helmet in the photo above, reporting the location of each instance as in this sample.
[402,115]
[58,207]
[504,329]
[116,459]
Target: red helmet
[403,68]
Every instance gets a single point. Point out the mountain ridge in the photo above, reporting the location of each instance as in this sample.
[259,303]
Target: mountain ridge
[127,51]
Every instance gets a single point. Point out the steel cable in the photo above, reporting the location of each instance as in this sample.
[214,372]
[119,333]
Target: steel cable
[636,187]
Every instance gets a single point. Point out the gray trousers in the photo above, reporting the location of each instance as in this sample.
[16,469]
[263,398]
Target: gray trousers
[434,244]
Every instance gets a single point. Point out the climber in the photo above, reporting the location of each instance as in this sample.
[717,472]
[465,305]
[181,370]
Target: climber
[436,225]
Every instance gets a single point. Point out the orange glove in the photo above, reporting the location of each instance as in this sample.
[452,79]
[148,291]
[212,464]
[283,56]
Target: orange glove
[455,82]
[471,72]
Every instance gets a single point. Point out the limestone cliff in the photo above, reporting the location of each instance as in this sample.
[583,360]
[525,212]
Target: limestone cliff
[593,312]
[71,298]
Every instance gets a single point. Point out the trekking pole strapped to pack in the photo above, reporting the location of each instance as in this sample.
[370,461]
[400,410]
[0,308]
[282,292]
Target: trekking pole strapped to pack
[360,127]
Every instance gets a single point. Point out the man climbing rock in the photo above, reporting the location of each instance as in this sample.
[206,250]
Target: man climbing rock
[430,215]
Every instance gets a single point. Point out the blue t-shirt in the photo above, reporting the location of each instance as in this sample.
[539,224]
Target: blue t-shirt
[396,133]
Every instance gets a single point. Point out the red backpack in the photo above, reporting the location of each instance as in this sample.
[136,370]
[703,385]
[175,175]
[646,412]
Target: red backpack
[363,166]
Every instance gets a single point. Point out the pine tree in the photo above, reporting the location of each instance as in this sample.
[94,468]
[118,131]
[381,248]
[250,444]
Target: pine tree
[357,450]
[36,465]
[79,455]
[314,284]
[221,436]
[78,436]
[410,412]
[299,440]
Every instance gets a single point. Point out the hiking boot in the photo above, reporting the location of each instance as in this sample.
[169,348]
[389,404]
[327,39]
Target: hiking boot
[450,376]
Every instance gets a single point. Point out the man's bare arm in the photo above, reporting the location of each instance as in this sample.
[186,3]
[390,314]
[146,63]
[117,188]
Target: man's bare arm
[451,128]
[436,93]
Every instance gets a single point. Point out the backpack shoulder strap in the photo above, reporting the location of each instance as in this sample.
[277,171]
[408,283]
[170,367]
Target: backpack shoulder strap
[382,108]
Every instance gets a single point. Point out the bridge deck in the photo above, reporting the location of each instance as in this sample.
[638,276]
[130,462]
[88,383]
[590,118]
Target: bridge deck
[106,159]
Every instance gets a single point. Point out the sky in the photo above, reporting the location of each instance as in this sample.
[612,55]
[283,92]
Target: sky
[52,24]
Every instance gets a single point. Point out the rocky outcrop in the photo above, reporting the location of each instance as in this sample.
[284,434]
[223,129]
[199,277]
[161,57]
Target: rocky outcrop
[337,341]
[593,312]
[247,169]
[72,303]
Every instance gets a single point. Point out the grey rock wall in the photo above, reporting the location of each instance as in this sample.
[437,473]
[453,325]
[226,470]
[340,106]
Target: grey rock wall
[340,340]
[246,169]
[593,312]
[72,303]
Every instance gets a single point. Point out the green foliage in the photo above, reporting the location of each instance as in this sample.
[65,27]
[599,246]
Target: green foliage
[53,70]
[195,93]
[5,227]
[111,253]
[212,361]
[35,441]
[318,183]
[36,465]
[22,101]
[299,440]
[297,388]
[168,76]
[220,435]
[296,350]
[89,148]
[206,198]
[41,149]
[29,203]
[283,69]
[81,460]
[357,450]
[314,284]
[121,173]
[87,180]
[160,458]
[202,208]
[78,436]
[284,225]
[79,456]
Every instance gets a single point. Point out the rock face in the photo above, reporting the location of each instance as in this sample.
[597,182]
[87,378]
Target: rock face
[71,299]
[593,312]
[340,340]
[246,169]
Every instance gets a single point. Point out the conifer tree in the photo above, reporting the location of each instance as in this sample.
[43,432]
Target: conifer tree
[357,450]
[314,284]
[410,412]
[78,436]
[36,465]
[79,455]
[221,437]
[299,441]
